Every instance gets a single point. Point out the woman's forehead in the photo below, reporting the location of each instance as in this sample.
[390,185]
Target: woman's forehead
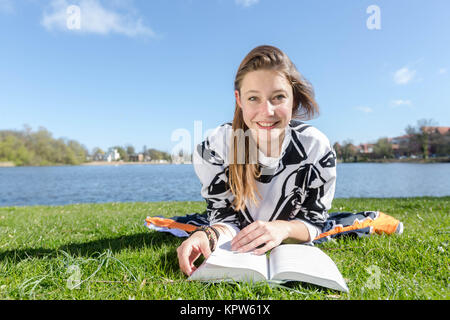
[263,80]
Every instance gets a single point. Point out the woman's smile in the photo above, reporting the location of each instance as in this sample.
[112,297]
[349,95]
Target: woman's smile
[267,125]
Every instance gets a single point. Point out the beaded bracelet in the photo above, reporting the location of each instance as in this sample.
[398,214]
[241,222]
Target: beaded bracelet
[211,233]
[216,232]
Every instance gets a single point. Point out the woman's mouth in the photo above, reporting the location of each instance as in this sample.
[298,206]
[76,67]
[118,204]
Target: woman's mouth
[267,125]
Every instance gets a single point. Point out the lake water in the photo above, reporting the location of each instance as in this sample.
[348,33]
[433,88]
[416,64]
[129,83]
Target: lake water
[60,185]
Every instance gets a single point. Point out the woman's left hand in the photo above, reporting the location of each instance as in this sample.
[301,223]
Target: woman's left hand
[269,233]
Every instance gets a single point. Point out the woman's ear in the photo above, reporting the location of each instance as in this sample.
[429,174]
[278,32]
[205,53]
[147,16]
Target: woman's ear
[238,101]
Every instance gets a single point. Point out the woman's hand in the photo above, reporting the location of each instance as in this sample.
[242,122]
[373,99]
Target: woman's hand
[190,250]
[267,233]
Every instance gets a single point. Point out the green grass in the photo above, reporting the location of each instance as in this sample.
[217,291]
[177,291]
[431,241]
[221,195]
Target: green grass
[45,249]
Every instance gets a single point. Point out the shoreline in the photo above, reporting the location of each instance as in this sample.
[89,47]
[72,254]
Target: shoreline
[10,164]
[118,163]
[93,163]
[7,164]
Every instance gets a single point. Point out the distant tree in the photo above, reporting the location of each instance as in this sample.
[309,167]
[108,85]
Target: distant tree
[61,153]
[80,152]
[97,154]
[419,137]
[348,150]
[413,144]
[159,155]
[423,126]
[39,148]
[41,141]
[438,142]
[441,144]
[383,149]
[13,149]
[130,150]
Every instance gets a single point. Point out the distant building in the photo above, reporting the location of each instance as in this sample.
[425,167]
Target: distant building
[136,157]
[400,145]
[401,140]
[365,148]
[441,130]
[111,155]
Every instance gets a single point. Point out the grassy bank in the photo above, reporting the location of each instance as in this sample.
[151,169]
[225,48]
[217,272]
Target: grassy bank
[45,250]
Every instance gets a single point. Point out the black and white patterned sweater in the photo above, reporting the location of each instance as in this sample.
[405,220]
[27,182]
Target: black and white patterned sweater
[299,184]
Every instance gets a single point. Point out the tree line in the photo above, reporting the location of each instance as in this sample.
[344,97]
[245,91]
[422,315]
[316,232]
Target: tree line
[28,148]
[128,151]
[419,141]
[38,148]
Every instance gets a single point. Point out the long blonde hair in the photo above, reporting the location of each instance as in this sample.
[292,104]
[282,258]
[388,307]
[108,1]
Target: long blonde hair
[242,176]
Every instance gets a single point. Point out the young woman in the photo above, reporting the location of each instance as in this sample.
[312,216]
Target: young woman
[267,177]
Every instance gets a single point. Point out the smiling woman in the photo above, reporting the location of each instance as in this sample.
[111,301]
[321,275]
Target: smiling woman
[294,175]
[263,73]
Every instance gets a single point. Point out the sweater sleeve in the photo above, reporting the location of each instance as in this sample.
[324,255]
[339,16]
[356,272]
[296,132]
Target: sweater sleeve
[211,169]
[319,188]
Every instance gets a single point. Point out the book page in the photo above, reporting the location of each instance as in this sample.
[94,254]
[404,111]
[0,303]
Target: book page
[305,263]
[224,256]
[225,263]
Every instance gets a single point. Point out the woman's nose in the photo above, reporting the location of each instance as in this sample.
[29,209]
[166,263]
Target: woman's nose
[268,108]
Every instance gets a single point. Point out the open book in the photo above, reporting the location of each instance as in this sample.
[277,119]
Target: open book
[288,262]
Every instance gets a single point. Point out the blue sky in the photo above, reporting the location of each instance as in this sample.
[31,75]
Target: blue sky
[138,70]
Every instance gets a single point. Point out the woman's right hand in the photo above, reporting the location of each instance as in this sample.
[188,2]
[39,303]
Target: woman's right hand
[190,249]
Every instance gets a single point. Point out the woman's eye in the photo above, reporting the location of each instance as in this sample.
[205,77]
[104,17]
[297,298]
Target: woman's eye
[279,97]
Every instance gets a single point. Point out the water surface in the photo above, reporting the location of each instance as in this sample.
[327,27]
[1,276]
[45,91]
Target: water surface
[60,185]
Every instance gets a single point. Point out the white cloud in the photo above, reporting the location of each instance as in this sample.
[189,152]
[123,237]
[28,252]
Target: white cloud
[442,71]
[404,75]
[400,102]
[6,6]
[95,18]
[364,109]
[246,3]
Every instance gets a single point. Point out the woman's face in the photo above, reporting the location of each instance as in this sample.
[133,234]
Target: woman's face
[266,101]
